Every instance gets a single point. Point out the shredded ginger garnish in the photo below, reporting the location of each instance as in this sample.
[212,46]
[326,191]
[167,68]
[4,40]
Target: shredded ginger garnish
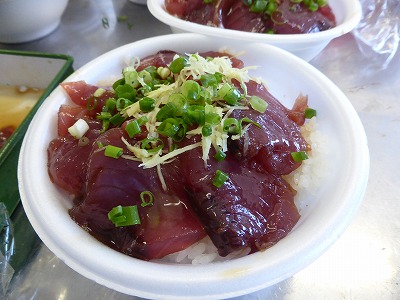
[195,68]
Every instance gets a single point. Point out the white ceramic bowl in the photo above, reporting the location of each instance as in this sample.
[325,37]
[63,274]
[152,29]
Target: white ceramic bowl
[26,20]
[328,212]
[306,46]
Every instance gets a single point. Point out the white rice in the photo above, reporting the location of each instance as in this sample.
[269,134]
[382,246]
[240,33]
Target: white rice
[200,253]
[307,178]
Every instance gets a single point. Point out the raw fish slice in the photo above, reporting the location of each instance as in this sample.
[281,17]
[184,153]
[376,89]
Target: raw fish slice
[67,157]
[81,92]
[251,210]
[166,226]
[272,144]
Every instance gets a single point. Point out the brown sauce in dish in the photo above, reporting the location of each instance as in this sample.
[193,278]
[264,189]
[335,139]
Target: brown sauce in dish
[15,104]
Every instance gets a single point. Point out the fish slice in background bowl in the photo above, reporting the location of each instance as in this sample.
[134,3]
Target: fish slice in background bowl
[347,14]
[325,207]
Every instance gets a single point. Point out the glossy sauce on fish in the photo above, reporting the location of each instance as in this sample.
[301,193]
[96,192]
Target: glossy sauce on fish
[253,209]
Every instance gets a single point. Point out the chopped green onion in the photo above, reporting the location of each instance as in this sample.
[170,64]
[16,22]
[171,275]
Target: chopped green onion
[147,198]
[168,127]
[163,72]
[258,104]
[131,77]
[118,83]
[146,76]
[122,103]
[147,104]
[104,115]
[231,125]
[224,89]
[183,127]
[205,96]
[142,120]
[113,151]
[133,128]
[259,6]
[232,96]
[79,128]
[191,90]
[125,91]
[124,215]
[196,114]
[220,155]
[212,118]
[309,113]
[105,125]
[99,92]
[272,6]
[178,64]
[91,103]
[248,120]
[220,178]
[206,130]
[210,80]
[180,103]
[117,119]
[110,104]
[313,6]
[167,111]
[148,144]
[299,156]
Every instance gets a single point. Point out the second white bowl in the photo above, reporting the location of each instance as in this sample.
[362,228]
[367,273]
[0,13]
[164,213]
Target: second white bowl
[306,46]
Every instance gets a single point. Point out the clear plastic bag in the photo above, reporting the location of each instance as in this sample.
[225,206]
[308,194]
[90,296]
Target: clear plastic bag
[378,33]
[6,249]
[18,244]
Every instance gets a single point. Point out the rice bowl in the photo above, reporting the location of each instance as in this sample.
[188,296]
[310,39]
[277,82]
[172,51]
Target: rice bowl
[324,216]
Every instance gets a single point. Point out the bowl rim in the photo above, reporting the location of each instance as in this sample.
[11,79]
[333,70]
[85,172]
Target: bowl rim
[202,278]
[351,19]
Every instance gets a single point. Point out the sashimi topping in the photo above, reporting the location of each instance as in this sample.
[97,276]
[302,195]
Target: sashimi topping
[180,147]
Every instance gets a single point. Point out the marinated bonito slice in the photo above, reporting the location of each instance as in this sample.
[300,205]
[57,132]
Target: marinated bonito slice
[253,209]
[83,95]
[166,226]
[67,156]
[272,144]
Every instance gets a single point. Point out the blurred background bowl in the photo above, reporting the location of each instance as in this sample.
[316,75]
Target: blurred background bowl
[26,20]
[306,46]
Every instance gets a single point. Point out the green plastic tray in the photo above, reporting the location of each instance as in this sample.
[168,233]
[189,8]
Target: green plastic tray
[33,69]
